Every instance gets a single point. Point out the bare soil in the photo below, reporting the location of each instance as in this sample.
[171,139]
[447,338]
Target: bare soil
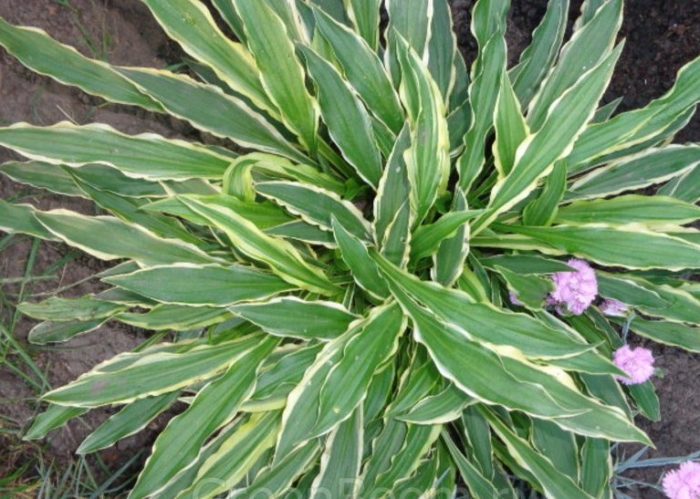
[662,35]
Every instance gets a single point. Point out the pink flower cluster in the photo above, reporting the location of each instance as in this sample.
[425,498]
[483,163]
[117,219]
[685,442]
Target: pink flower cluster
[614,308]
[638,363]
[575,290]
[684,482]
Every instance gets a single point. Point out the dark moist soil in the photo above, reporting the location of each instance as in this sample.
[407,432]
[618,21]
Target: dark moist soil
[662,35]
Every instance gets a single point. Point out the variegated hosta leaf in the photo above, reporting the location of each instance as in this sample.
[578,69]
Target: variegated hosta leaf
[280,255]
[427,158]
[213,407]
[336,383]
[129,377]
[141,156]
[552,140]
[205,285]
[278,69]
[190,24]
[38,51]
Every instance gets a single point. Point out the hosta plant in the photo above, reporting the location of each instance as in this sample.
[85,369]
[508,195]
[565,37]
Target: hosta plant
[379,273]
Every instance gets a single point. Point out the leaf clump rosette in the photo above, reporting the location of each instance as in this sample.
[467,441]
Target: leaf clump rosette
[405,275]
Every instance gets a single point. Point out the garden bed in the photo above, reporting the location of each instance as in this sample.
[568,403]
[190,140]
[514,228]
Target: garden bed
[661,37]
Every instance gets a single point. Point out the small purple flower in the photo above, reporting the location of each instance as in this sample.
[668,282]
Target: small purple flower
[614,308]
[684,482]
[577,289]
[638,363]
[513,297]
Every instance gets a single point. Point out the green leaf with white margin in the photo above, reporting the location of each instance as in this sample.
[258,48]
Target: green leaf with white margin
[442,48]
[55,416]
[427,238]
[279,376]
[477,437]
[273,480]
[341,459]
[537,59]
[510,125]
[44,55]
[316,206]
[209,109]
[637,126]
[365,16]
[281,256]
[363,69]
[290,11]
[229,15]
[668,333]
[129,210]
[526,264]
[189,23]
[650,211]
[427,159]
[129,377]
[346,118]
[201,285]
[596,466]
[108,238]
[440,408]
[558,445]
[391,464]
[42,176]
[280,71]
[235,457]
[646,400]
[306,233]
[536,156]
[146,156]
[59,332]
[85,308]
[483,92]
[590,45]
[20,219]
[647,168]
[391,196]
[543,210]
[337,381]
[488,25]
[175,318]
[630,246]
[131,419]
[531,290]
[686,187]
[265,215]
[292,317]
[241,176]
[448,262]
[479,486]
[629,291]
[676,304]
[501,376]
[355,254]
[553,481]
[409,20]
[214,406]
[421,481]
[484,322]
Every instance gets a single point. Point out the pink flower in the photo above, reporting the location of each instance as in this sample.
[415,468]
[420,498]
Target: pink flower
[577,289]
[638,363]
[614,308]
[683,483]
[513,297]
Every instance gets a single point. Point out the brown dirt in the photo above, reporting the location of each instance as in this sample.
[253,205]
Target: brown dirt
[661,35]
